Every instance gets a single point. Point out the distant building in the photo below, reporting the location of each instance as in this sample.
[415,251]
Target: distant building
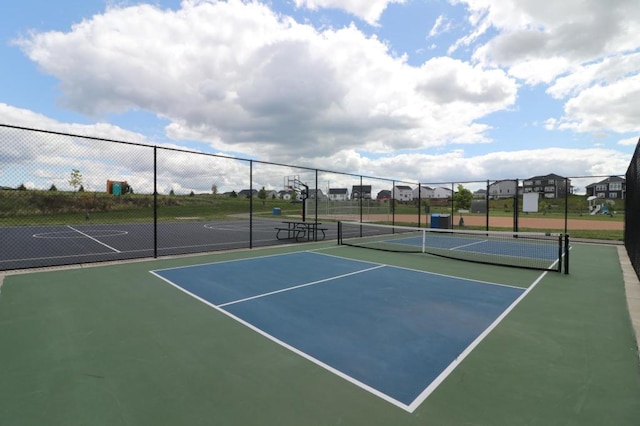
[317,193]
[422,192]
[285,194]
[402,193]
[480,193]
[247,193]
[503,189]
[385,194]
[611,187]
[338,194]
[549,186]
[361,191]
[442,192]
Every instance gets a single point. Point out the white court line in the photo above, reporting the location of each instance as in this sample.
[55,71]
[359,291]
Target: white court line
[468,245]
[91,238]
[293,349]
[299,286]
[452,366]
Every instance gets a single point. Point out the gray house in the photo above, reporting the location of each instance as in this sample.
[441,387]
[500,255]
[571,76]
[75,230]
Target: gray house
[549,186]
[611,187]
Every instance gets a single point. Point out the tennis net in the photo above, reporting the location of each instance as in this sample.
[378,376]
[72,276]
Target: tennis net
[530,250]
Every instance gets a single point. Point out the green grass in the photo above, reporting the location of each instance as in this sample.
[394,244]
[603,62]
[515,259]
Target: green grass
[19,208]
[63,208]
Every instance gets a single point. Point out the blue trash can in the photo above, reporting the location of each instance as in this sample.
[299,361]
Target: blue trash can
[276,211]
[435,220]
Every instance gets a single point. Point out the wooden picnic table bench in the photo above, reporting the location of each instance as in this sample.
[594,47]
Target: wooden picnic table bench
[299,231]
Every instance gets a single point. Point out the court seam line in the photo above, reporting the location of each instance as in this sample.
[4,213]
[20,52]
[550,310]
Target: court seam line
[282,290]
[92,238]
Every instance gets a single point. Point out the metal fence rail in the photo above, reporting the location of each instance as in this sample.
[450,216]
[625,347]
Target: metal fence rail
[67,199]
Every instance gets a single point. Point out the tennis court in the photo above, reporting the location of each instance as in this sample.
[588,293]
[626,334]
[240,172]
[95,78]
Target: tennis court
[54,245]
[319,334]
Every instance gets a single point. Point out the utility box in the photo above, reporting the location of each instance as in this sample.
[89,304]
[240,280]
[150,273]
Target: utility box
[445,221]
[435,220]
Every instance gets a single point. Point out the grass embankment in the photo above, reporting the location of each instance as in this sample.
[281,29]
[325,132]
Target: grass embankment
[34,207]
[61,208]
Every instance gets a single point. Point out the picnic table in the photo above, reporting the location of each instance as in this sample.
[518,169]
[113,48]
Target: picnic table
[300,231]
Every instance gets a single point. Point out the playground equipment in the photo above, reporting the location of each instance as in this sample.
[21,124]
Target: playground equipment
[597,208]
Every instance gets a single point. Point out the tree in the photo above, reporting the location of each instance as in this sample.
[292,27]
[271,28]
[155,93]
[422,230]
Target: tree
[214,189]
[22,187]
[262,194]
[53,187]
[171,192]
[462,199]
[233,194]
[75,180]
[191,194]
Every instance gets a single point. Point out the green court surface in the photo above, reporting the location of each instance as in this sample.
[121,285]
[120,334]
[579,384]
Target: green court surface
[115,345]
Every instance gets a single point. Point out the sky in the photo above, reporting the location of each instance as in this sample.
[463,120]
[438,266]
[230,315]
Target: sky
[414,90]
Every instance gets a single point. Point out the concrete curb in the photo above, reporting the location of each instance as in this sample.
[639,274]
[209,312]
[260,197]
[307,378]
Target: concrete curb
[632,290]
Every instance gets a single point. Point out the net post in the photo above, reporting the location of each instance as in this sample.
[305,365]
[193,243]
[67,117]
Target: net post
[251,204]
[486,198]
[566,253]
[560,251]
[339,233]
[424,241]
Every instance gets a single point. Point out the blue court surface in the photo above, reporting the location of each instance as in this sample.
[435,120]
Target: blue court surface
[394,332]
[541,250]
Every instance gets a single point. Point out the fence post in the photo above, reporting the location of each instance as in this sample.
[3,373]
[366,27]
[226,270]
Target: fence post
[250,204]
[393,203]
[155,202]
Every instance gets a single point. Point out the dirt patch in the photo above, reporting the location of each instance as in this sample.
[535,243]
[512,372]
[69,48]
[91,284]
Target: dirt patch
[507,222]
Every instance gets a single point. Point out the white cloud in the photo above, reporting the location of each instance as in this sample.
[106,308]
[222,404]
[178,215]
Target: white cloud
[442,25]
[611,107]
[248,80]
[587,52]
[367,10]
[629,141]
[574,29]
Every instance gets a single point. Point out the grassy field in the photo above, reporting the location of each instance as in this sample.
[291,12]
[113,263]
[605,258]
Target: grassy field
[61,208]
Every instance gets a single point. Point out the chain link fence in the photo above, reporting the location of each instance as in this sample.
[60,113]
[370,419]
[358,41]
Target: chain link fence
[68,199]
[632,215]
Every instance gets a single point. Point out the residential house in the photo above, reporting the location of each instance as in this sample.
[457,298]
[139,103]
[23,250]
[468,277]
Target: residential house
[402,193]
[611,187]
[270,193]
[361,191]
[442,192]
[317,193]
[247,193]
[285,194]
[480,194]
[338,194]
[503,189]
[549,186]
[422,192]
[385,194]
